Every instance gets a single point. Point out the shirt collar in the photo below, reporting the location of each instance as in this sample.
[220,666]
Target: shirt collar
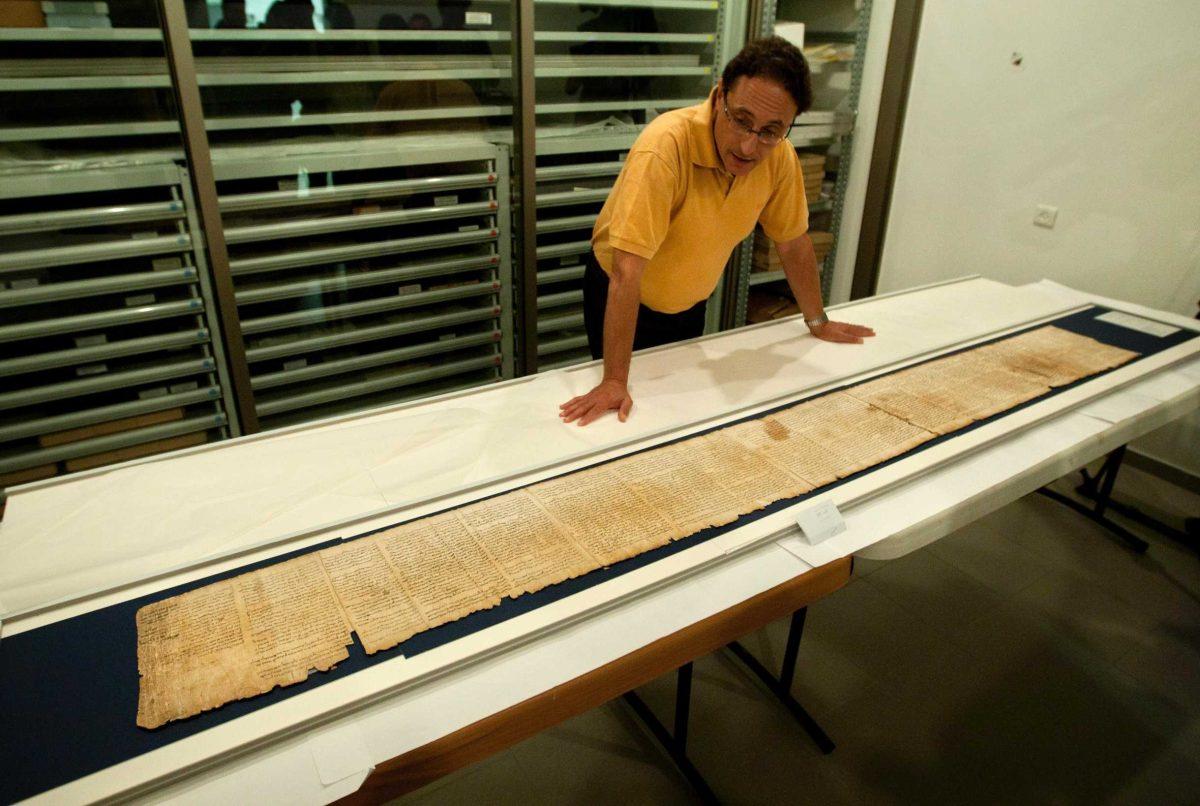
[704,150]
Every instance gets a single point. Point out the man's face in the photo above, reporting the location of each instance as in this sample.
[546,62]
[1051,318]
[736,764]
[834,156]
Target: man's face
[754,103]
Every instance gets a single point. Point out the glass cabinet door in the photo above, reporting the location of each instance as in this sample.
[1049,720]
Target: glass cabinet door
[329,72]
[832,34]
[362,178]
[107,322]
[603,71]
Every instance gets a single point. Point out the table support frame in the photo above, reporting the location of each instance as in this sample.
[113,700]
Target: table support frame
[477,741]
[1090,488]
[781,686]
[1100,489]
[675,742]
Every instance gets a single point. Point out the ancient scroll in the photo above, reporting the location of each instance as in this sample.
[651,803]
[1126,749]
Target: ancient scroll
[237,638]
[244,636]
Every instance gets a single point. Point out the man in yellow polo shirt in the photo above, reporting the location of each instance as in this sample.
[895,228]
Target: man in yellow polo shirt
[692,188]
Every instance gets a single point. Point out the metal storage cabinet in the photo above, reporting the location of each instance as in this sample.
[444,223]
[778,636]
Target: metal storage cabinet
[574,177]
[108,90]
[828,129]
[106,348]
[603,71]
[369,276]
[344,84]
[86,92]
[623,61]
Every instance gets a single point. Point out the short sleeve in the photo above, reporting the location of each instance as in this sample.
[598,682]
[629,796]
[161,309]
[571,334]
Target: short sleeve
[785,215]
[641,202]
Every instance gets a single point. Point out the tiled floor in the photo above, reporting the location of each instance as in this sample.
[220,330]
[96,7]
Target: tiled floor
[1027,658]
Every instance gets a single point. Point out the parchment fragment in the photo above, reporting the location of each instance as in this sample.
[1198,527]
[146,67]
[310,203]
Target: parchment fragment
[1055,356]
[949,393]
[989,387]
[448,533]
[608,518]
[788,448]
[853,435]
[674,482]
[442,568]
[237,638]
[527,545]
[751,478]
[924,396]
[193,655]
[379,609]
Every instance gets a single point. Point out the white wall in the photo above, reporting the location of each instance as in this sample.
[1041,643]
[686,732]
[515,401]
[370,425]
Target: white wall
[1102,120]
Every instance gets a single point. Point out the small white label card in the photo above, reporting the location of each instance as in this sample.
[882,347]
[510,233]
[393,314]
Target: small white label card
[820,522]
[1137,323]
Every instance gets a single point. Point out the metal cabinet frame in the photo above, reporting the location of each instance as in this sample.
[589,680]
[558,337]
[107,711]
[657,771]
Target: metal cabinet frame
[183,74]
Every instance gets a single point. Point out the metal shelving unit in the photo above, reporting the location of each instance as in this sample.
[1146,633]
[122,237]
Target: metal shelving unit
[358,80]
[99,91]
[650,56]
[363,182]
[369,278]
[829,129]
[106,345]
[574,177]
[588,121]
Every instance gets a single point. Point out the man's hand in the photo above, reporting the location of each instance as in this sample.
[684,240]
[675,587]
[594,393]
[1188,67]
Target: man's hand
[608,395]
[842,331]
[800,269]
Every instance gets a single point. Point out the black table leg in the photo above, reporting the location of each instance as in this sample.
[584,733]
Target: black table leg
[1099,489]
[781,687]
[675,745]
[1091,488]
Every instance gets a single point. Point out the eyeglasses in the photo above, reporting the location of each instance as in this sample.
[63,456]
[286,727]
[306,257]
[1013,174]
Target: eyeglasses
[768,135]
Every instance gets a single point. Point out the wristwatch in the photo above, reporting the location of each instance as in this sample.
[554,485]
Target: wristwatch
[816,321]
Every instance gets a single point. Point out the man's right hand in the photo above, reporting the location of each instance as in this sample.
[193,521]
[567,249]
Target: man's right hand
[620,322]
[608,395]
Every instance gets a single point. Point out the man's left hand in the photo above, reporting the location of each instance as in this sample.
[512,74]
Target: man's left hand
[842,332]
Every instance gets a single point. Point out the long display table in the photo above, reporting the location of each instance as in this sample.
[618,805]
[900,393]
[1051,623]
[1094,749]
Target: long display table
[68,619]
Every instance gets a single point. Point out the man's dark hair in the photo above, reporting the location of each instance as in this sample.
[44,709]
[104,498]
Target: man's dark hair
[777,59]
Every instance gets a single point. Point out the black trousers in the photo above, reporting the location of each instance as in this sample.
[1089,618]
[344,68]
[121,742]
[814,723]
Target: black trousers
[653,327]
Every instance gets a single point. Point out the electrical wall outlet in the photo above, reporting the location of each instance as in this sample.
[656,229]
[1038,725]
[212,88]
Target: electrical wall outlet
[1046,216]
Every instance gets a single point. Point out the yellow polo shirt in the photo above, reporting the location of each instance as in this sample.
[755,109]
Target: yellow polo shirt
[673,203]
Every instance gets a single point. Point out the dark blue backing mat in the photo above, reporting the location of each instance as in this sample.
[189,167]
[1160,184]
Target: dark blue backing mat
[69,691]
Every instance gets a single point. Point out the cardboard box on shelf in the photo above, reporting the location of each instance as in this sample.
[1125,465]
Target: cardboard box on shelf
[136,451]
[813,167]
[22,14]
[110,427]
[75,6]
[28,474]
[766,256]
[764,305]
[791,31]
[78,21]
